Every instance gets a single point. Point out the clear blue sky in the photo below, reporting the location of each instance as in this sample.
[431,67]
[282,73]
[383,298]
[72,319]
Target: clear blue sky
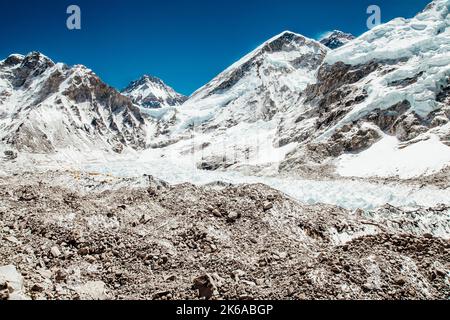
[184,42]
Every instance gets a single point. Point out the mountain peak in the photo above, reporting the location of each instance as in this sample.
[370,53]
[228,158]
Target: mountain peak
[149,78]
[13,59]
[37,57]
[31,60]
[286,33]
[285,38]
[336,39]
[151,92]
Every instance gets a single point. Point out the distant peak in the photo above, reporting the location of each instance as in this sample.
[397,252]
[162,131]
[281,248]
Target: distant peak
[336,38]
[145,79]
[151,92]
[333,33]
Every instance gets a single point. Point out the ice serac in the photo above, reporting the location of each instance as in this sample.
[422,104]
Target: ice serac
[336,39]
[410,61]
[45,106]
[152,92]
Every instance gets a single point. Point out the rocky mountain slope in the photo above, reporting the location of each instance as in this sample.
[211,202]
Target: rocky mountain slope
[46,107]
[336,39]
[152,92]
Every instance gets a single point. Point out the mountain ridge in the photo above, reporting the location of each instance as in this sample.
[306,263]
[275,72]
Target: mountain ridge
[47,106]
[292,101]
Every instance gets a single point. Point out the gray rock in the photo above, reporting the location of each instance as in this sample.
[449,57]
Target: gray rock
[267,205]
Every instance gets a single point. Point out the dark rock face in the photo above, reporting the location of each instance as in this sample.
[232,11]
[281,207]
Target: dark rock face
[233,78]
[50,86]
[153,102]
[405,124]
[387,120]
[406,82]
[10,154]
[444,95]
[331,78]
[215,163]
[399,121]
[354,139]
[13,60]
[336,93]
[348,139]
[33,65]
[26,138]
[102,97]
[333,94]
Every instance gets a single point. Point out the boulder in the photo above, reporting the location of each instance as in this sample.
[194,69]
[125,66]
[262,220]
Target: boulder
[92,290]
[12,280]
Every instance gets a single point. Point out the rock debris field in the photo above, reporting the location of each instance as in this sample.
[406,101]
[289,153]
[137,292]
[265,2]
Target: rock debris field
[99,238]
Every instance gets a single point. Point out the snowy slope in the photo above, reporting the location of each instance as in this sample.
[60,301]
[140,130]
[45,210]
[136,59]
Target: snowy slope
[386,158]
[151,92]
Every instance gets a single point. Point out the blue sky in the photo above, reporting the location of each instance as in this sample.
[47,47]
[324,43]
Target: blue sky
[186,43]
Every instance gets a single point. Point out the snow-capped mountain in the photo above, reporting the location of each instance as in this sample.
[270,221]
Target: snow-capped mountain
[245,103]
[267,80]
[293,100]
[291,105]
[152,92]
[336,39]
[46,106]
[329,160]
